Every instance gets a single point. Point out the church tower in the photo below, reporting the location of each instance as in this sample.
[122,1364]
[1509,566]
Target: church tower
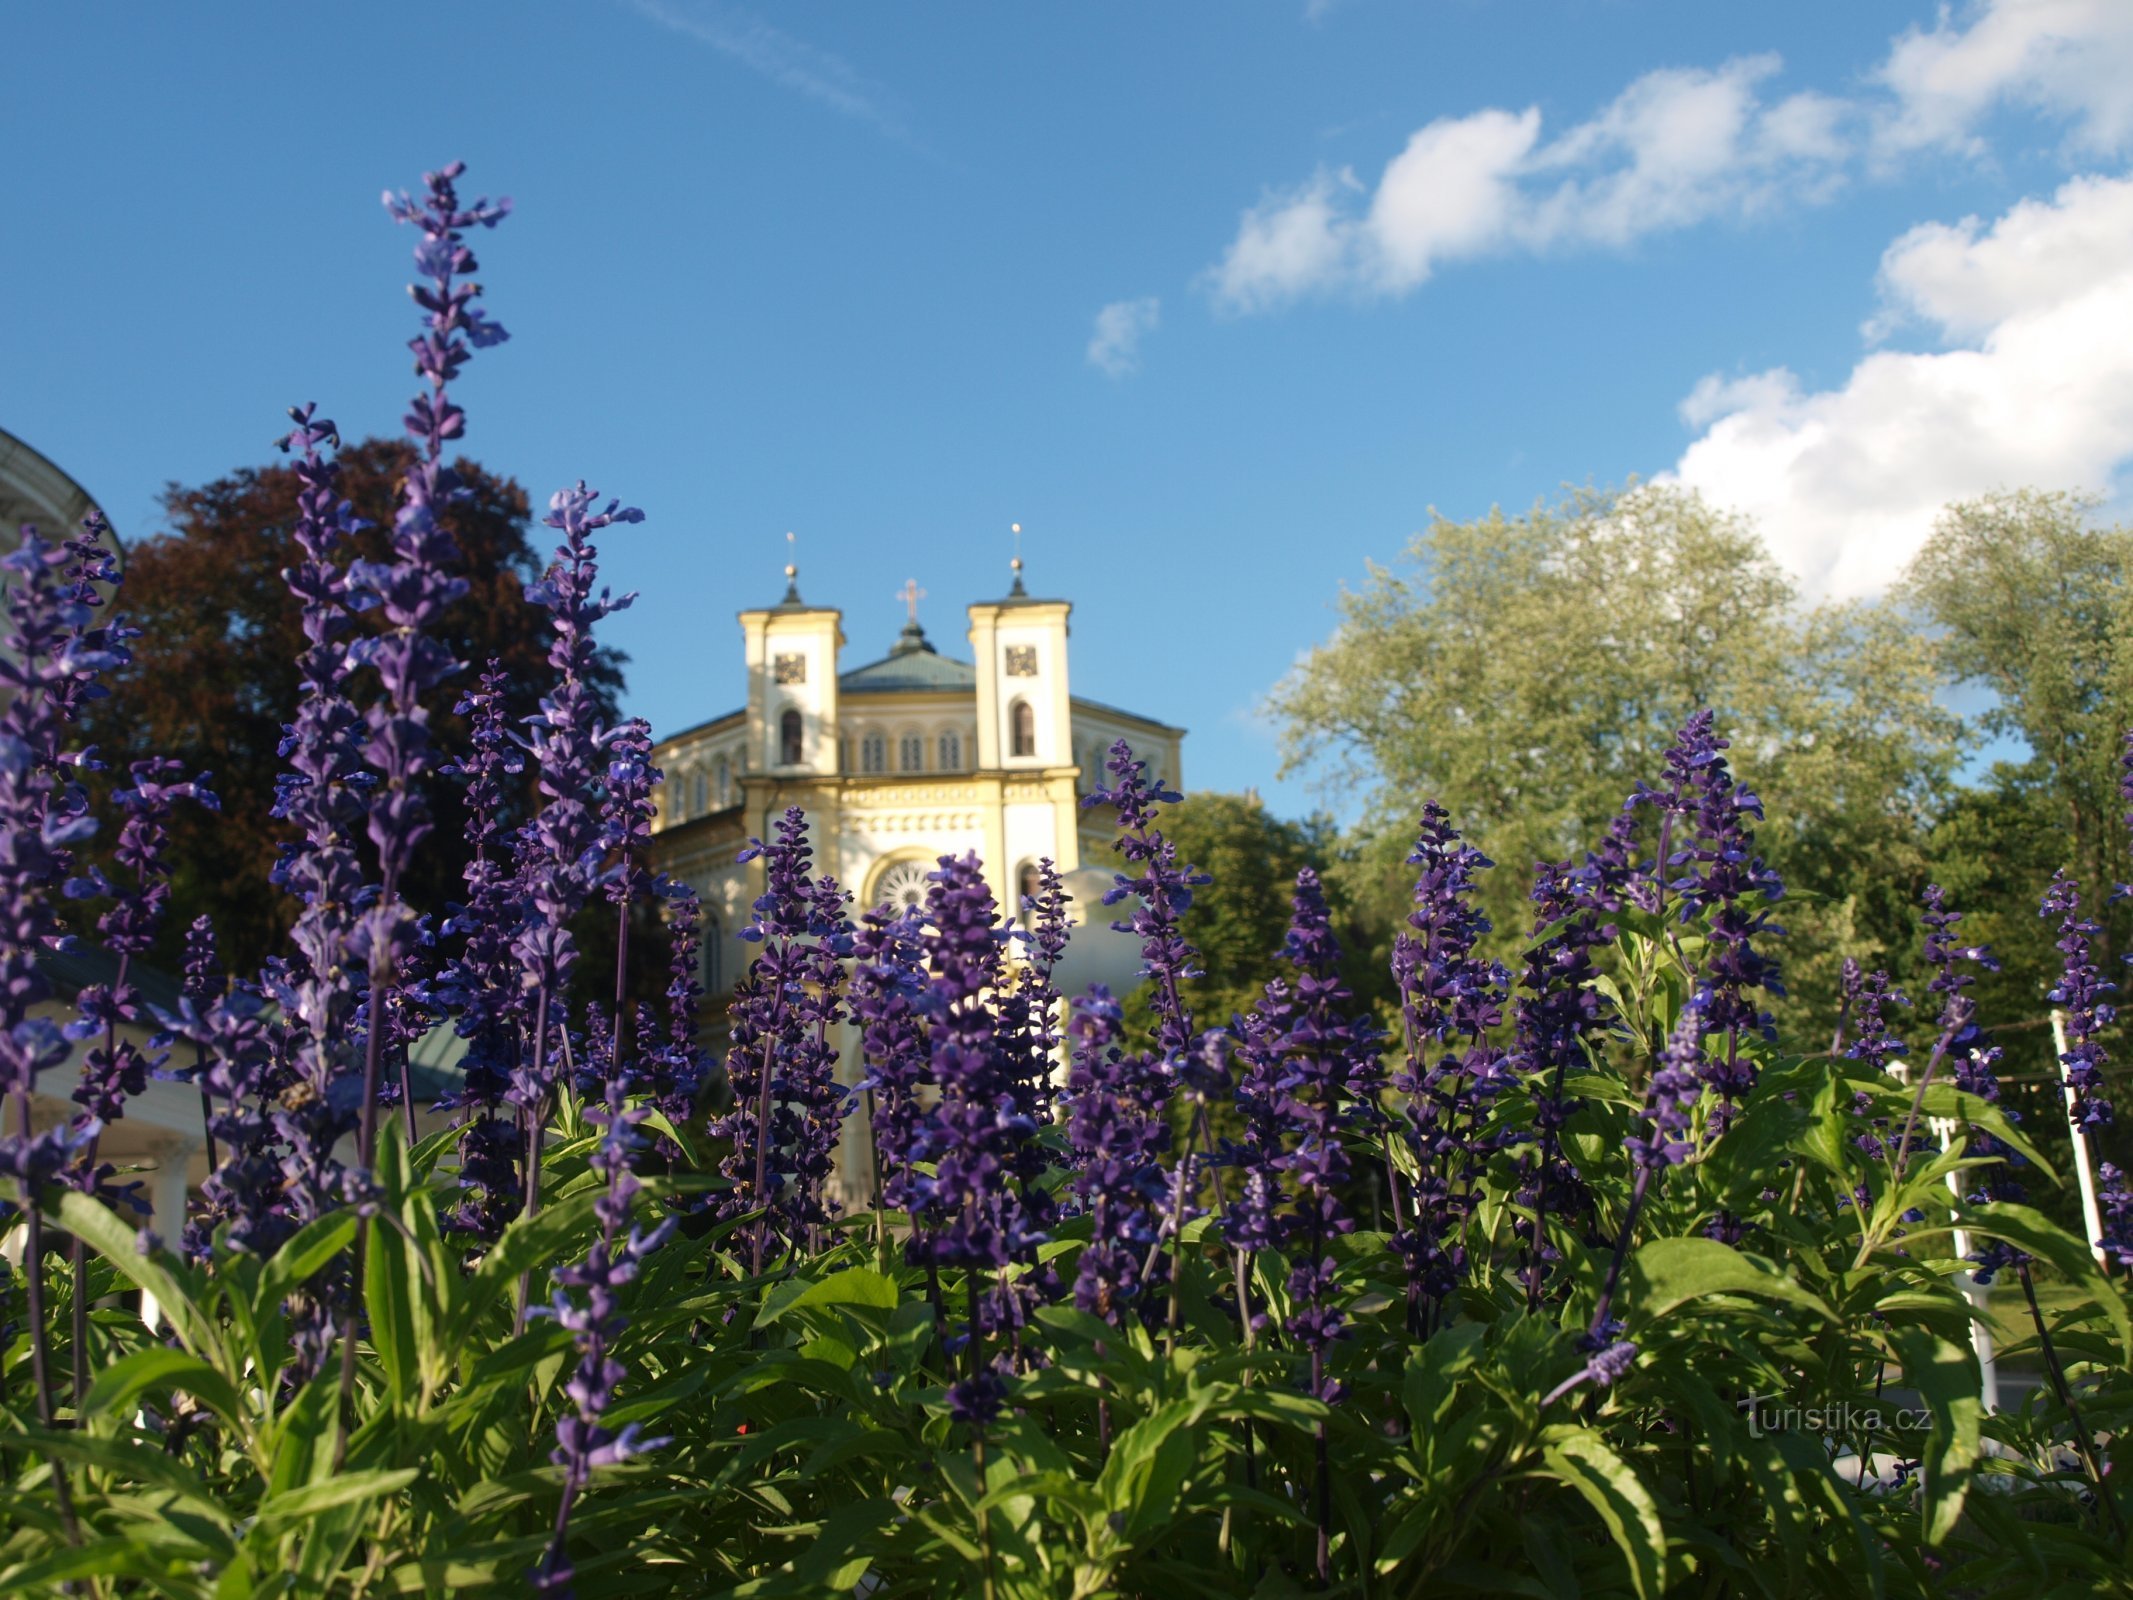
[1020,651]
[792,687]
[1025,734]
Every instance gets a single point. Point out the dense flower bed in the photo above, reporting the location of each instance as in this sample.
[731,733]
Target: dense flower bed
[1573,1279]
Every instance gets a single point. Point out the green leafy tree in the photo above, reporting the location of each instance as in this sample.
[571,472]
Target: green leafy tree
[214,671]
[1240,918]
[2025,596]
[1529,671]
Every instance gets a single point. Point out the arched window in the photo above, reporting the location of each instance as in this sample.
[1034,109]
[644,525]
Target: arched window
[951,752]
[911,753]
[722,782]
[703,792]
[792,741]
[1027,884]
[1022,729]
[874,753]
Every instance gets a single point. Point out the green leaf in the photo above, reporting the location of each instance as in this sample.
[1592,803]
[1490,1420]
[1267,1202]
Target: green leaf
[1824,1138]
[346,1488]
[1583,1460]
[1433,1373]
[161,1368]
[99,1227]
[855,1286]
[1945,1374]
[1946,1100]
[1666,1274]
[2034,1232]
[388,1295]
[305,1253]
[552,1236]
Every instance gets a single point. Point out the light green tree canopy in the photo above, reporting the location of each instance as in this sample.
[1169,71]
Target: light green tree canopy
[1528,671]
[2026,597]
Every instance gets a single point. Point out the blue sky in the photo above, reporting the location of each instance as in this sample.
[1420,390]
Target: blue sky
[1217,302]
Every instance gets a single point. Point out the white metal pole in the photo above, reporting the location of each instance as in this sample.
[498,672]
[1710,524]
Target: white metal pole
[2091,1213]
[1978,1294]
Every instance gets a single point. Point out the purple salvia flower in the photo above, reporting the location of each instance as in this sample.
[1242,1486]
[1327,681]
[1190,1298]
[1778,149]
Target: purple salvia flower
[818,1101]
[1559,1007]
[677,1067]
[1874,1044]
[234,1047]
[1116,1135]
[1030,1009]
[1972,1059]
[1450,999]
[1707,860]
[1162,890]
[2116,1198]
[412,591]
[1670,1100]
[627,807]
[561,848]
[974,1212]
[1608,1367]
[1671,1096]
[2081,994]
[1325,1082]
[782,1062]
[49,651]
[586,1303]
[888,979]
[114,1068]
[323,795]
[1872,1041]
[482,981]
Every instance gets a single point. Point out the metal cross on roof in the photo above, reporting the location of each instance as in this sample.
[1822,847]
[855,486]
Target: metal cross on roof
[910,594]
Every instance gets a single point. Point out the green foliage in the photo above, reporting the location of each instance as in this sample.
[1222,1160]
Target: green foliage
[811,1452]
[1239,919]
[1528,671]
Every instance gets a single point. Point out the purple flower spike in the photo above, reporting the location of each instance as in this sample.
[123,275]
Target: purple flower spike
[1706,860]
[787,1105]
[1559,1008]
[1671,1096]
[1162,889]
[1450,999]
[585,1302]
[483,977]
[1116,1133]
[976,1211]
[2081,994]
[1311,1075]
[888,981]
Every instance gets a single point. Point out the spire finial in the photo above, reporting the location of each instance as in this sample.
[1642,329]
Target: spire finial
[792,568]
[1015,564]
[910,594]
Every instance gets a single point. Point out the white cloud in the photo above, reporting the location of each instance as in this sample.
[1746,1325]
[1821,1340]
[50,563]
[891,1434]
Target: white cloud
[2070,59]
[1846,482]
[1115,346]
[1677,147]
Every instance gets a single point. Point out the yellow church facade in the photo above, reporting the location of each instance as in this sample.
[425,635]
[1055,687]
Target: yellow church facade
[898,761]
